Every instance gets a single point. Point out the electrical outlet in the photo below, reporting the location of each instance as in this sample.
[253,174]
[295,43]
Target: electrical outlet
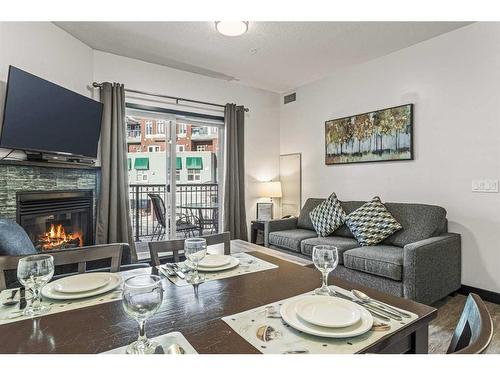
[485,186]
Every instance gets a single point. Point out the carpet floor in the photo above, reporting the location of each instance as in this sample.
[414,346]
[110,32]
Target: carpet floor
[449,310]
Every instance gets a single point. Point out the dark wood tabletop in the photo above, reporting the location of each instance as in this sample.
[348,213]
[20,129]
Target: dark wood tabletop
[198,315]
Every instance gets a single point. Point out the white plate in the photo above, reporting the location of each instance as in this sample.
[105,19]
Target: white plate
[49,291]
[81,283]
[233,263]
[215,260]
[328,312]
[289,315]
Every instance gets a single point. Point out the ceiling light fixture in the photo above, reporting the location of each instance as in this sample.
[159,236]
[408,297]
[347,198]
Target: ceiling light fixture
[231,28]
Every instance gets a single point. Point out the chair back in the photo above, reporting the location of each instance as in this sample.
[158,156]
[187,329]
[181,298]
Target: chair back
[177,245]
[474,329]
[79,256]
[158,208]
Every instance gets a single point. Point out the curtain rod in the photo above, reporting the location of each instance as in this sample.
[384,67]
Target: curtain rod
[177,99]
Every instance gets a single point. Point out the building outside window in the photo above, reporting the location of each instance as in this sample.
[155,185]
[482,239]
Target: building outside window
[194,174]
[201,148]
[149,127]
[160,127]
[180,148]
[153,148]
[177,175]
[142,176]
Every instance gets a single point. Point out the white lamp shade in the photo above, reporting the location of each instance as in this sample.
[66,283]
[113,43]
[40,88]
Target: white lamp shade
[270,189]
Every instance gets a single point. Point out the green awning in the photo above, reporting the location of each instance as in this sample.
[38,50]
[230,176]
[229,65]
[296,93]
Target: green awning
[141,163]
[129,163]
[178,163]
[194,163]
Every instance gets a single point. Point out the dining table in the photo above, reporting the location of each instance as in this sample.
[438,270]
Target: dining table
[197,313]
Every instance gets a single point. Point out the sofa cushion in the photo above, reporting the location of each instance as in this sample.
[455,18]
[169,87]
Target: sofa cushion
[348,206]
[290,239]
[327,216]
[304,221]
[382,260]
[372,223]
[419,221]
[341,243]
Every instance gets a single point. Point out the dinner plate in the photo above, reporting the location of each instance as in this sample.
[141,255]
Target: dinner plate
[290,316]
[233,263]
[215,260]
[49,291]
[328,312]
[82,282]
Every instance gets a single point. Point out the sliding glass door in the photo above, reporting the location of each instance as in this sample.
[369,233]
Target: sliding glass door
[174,170]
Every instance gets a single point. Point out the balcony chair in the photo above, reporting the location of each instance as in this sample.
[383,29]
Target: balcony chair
[183,224]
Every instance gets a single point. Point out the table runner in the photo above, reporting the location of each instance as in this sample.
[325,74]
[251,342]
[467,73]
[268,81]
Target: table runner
[287,339]
[165,341]
[248,264]
[10,314]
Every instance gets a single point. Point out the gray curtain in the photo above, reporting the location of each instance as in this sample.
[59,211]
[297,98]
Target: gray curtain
[234,188]
[113,219]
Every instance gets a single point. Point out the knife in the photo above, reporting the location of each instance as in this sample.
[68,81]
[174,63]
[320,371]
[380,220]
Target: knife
[22,298]
[174,267]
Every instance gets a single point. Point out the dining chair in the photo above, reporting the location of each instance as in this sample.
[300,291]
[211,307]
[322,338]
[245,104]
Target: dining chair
[79,256]
[474,329]
[176,245]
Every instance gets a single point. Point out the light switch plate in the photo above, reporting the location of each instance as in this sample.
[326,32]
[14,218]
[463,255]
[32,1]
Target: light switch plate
[485,186]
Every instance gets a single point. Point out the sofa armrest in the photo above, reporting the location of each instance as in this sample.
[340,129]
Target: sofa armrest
[432,268]
[277,225]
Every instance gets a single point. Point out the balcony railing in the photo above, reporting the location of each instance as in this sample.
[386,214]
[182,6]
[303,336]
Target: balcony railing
[133,135]
[196,210]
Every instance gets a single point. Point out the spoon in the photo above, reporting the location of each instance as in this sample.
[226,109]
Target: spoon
[363,297]
[10,300]
[176,349]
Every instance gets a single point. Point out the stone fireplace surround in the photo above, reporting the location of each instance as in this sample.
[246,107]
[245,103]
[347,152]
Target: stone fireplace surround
[16,176]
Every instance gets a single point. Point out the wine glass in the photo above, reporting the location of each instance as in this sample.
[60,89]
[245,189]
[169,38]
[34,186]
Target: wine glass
[142,297]
[34,272]
[325,258]
[195,250]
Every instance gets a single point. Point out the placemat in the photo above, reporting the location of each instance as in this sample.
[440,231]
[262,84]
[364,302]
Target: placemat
[248,264]
[10,314]
[165,341]
[278,337]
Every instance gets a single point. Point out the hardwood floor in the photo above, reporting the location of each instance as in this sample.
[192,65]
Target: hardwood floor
[449,310]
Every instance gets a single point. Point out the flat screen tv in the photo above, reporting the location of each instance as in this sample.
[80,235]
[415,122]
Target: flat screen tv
[41,116]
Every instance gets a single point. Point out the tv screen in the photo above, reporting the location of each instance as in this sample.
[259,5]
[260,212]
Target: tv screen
[44,117]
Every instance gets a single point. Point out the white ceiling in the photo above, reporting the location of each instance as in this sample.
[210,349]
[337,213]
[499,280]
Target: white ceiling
[276,56]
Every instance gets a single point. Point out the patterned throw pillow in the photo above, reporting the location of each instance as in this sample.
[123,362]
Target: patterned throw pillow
[372,223]
[327,216]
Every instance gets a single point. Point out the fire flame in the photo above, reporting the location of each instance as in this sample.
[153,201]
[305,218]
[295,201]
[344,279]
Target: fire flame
[56,237]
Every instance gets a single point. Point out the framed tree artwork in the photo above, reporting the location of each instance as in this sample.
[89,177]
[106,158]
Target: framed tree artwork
[383,135]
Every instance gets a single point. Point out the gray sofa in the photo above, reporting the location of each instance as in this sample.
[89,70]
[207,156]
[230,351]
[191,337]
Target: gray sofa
[421,262]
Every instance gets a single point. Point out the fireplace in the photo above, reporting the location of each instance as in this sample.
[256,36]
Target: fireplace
[56,219]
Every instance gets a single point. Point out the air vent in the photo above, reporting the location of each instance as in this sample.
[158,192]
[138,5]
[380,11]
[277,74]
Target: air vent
[290,98]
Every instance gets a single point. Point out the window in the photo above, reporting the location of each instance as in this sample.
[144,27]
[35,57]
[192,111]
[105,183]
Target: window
[153,148]
[160,127]
[177,175]
[180,148]
[181,129]
[149,127]
[142,176]
[201,148]
[194,174]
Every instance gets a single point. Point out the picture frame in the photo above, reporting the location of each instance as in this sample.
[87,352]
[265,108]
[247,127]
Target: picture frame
[264,211]
[376,136]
